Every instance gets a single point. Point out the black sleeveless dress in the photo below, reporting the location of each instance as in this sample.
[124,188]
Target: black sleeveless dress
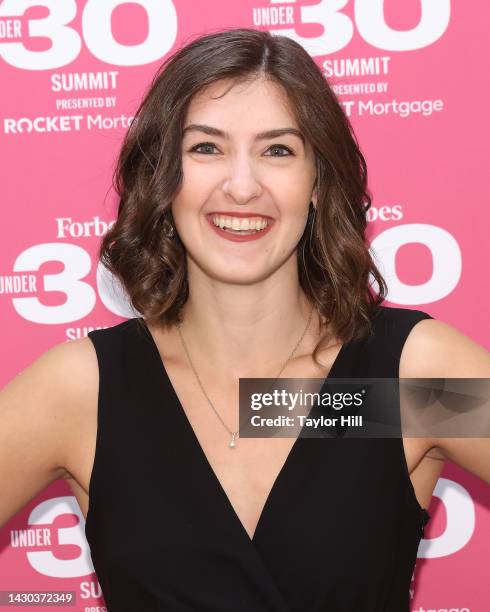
[339,531]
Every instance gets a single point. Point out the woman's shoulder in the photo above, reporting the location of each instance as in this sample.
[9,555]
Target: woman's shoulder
[406,332]
[436,349]
[73,371]
[118,329]
[390,328]
[110,340]
[70,369]
[392,315]
[65,371]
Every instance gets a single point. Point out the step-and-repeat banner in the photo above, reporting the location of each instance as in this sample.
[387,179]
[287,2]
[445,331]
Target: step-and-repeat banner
[411,76]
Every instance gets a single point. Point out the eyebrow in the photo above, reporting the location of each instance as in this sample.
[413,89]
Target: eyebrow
[212,131]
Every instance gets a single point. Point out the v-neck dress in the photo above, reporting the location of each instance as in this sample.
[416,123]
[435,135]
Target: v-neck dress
[339,531]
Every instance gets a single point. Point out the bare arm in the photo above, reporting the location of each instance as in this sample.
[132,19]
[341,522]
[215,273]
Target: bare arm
[435,349]
[40,411]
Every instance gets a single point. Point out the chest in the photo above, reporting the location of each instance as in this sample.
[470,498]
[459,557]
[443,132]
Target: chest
[245,473]
[182,418]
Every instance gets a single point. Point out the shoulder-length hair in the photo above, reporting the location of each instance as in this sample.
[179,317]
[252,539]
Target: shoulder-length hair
[334,261]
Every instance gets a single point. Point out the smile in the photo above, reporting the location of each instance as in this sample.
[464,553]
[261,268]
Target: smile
[240,229]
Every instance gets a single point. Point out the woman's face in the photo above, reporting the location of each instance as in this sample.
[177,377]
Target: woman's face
[232,171]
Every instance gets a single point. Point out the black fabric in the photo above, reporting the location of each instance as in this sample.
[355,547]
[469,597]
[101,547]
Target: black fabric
[338,533]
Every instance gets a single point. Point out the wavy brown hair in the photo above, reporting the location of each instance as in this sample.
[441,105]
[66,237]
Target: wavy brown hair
[334,262]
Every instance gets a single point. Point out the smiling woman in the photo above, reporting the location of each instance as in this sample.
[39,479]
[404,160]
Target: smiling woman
[240,241]
[228,128]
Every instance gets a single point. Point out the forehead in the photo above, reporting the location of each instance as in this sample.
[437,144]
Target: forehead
[251,104]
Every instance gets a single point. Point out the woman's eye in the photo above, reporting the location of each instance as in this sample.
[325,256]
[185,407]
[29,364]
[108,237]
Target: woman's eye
[208,145]
[284,148]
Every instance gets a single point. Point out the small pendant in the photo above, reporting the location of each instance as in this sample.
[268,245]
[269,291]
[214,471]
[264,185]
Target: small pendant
[232,441]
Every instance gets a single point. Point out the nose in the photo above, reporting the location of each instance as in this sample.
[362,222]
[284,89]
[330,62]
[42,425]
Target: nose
[241,183]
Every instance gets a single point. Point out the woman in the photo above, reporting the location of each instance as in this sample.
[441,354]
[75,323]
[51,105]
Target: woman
[142,417]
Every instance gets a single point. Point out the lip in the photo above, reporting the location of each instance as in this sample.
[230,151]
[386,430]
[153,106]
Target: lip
[240,215]
[237,237]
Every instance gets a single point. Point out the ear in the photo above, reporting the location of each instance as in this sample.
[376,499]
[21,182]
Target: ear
[314,196]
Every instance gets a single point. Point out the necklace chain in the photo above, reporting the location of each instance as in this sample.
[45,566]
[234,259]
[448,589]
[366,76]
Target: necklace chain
[234,434]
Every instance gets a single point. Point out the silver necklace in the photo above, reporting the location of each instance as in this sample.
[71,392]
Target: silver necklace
[234,434]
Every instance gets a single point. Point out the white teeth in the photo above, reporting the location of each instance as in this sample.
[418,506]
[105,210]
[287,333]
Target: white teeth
[235,223]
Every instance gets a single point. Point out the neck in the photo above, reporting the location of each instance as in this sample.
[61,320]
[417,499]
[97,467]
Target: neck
[247,330]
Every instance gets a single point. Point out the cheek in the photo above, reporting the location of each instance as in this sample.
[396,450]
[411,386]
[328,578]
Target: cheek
[291,228]
[294,206]
[189,197]
[301,220]
[195,190]
[293,192]
[199,172]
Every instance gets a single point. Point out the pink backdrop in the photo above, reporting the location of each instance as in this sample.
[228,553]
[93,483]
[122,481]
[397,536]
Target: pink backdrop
[72,74]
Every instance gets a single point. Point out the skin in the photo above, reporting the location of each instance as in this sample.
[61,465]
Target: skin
[244,315]
[244,289]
